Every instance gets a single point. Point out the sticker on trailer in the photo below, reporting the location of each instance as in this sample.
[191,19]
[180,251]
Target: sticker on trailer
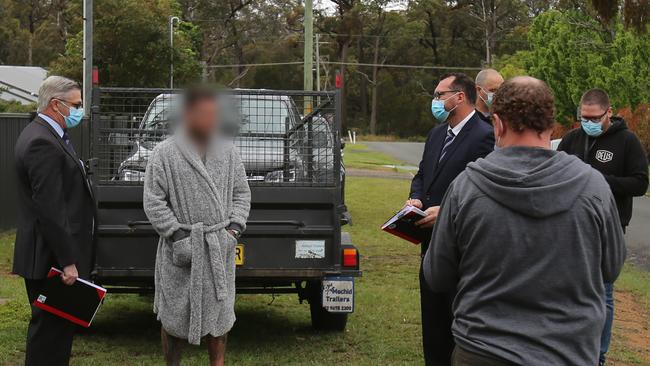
[312,249]
[338,294]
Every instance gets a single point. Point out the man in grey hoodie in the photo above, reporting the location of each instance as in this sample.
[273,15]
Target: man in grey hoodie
[526,238]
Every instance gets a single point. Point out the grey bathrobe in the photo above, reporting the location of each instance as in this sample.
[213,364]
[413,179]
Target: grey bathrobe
[195,276]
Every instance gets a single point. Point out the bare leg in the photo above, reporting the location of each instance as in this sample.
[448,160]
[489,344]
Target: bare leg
[217,349]
[172,348]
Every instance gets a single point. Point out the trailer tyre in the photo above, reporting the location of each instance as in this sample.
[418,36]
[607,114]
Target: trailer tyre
[322,319]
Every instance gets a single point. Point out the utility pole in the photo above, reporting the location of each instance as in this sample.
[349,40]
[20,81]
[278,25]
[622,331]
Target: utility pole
[171,50]
[317,61]
[309,52]
[87,82]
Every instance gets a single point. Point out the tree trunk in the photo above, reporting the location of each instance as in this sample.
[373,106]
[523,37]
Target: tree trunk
[30,50]
[375,73]
[363,84]
[345,47]
[434,42]
[488,51]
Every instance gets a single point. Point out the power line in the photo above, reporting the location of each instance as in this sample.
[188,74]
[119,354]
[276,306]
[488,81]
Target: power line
[257,64]
[394,66]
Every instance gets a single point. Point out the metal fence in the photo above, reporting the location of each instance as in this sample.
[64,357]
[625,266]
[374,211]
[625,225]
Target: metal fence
[283,137]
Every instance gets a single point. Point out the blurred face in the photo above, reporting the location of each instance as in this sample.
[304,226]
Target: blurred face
[201,118]
[596,113]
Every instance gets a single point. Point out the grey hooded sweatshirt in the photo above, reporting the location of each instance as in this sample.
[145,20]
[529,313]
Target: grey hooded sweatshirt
[526,238]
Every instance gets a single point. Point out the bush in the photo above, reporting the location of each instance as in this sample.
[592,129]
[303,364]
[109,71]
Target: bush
[639,122]
[15,107]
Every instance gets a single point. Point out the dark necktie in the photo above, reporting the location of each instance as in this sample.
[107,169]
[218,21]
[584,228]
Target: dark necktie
[448,140]
[68,142]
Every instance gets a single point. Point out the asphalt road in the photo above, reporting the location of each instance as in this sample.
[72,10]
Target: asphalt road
[638,232]
[408,152]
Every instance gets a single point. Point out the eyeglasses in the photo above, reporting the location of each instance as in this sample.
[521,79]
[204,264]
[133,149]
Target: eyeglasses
[437,95]
[598,118]
[76,105]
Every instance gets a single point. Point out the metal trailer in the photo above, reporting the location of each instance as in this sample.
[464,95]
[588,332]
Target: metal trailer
[293,243]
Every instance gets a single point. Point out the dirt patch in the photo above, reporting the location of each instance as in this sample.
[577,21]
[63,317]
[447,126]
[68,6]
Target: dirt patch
[632,327]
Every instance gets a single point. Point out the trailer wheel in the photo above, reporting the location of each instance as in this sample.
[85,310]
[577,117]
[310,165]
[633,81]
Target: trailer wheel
[322,319]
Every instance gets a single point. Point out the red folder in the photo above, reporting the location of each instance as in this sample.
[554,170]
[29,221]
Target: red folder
[77,303]
[402,224]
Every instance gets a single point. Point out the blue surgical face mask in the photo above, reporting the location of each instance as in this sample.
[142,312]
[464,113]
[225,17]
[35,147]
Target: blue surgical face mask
[74,117]
[591,128]
[490,98]
[438,109]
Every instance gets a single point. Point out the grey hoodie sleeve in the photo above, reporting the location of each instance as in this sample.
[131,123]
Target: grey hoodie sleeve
[441,261]
[155,198]
[613,241]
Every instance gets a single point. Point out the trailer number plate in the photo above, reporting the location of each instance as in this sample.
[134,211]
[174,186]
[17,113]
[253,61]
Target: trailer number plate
[338,294]
[239,254]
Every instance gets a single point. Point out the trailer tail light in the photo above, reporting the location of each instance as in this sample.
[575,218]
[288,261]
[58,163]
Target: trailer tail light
[350,258]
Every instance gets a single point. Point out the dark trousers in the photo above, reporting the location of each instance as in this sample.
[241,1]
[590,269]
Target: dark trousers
[49,337]
[462,357]
[437,341]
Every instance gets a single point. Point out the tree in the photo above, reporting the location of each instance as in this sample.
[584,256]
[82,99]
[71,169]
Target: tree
[132,46]
[573,53]
[346,24]
[33,13]
[635,12]
[497,17]
[12,35]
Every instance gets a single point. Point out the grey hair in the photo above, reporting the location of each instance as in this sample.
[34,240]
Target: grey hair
[54,87]
[483,76]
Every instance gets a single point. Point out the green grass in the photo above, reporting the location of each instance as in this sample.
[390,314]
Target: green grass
[391,138]
[385,328]
[637,282]
[359,156]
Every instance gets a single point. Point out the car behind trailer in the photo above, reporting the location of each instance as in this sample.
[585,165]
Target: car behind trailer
[290,144]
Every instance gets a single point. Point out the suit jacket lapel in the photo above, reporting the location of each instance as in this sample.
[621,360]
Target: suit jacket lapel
[454,145]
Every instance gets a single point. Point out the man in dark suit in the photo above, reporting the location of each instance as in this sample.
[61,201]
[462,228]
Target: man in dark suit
[460,138]
[56,214]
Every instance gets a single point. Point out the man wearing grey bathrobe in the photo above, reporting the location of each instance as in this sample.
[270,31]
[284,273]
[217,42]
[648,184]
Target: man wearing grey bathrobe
[197,198]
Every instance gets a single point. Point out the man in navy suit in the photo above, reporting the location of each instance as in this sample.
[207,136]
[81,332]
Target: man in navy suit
[460,138]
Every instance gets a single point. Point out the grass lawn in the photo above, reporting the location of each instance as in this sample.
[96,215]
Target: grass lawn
[359,156]
[384,330]
[269,331]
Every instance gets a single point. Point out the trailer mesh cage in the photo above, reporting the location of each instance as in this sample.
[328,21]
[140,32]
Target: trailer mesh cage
[283,137]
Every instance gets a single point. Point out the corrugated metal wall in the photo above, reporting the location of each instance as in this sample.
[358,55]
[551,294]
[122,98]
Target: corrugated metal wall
[11,124]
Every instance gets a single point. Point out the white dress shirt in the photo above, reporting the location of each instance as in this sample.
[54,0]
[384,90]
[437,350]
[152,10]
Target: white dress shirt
[456,130]
[52,123]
